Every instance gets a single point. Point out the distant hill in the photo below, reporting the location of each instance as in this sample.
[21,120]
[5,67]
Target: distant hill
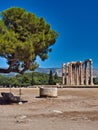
[54,70]
[8,74]
[95,72]
[47,70]
[59,71]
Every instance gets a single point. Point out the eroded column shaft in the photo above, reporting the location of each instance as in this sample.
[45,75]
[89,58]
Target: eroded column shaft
[63,74]
[67,74]
[81,74]
[86,73]
[91,73]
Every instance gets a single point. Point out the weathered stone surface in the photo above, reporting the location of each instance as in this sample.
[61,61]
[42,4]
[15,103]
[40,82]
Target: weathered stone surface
[77,73]
[48,92]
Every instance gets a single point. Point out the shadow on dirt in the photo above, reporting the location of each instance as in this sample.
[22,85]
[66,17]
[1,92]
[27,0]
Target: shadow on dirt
[9,98]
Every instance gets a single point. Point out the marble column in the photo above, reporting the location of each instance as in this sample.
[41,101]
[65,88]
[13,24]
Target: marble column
[91,73]
[81,74]
[73,74]
[63,74]
[77,75]
[70,73]
[67,74]
[86,72]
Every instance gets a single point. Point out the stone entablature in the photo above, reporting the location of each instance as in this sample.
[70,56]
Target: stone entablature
[77,73]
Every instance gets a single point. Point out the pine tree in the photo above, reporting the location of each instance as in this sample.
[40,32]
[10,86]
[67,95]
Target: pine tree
[23,37]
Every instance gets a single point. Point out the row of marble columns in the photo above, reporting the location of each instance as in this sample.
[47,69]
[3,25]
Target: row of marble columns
[77,73]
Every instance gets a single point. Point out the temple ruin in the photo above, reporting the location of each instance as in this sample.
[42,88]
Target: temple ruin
[77,73]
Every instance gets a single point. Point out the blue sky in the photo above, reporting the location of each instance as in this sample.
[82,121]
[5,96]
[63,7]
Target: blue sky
[76,21]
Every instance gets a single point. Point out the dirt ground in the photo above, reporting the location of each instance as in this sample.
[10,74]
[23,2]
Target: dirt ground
[73,109]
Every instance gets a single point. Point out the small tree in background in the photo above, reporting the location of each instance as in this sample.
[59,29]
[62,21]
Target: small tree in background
[32,79]
[51,82]
[56,75]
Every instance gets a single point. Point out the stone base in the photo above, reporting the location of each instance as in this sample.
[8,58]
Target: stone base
[48,92]
[79,86]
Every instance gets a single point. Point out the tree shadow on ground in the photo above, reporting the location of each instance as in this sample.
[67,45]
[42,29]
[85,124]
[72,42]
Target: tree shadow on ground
[7,100]
[3,102]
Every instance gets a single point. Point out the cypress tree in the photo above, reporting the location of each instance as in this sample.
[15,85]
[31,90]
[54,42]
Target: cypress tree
[51,82]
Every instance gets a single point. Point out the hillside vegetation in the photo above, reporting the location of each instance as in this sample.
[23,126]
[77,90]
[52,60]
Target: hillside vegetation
[28,79]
